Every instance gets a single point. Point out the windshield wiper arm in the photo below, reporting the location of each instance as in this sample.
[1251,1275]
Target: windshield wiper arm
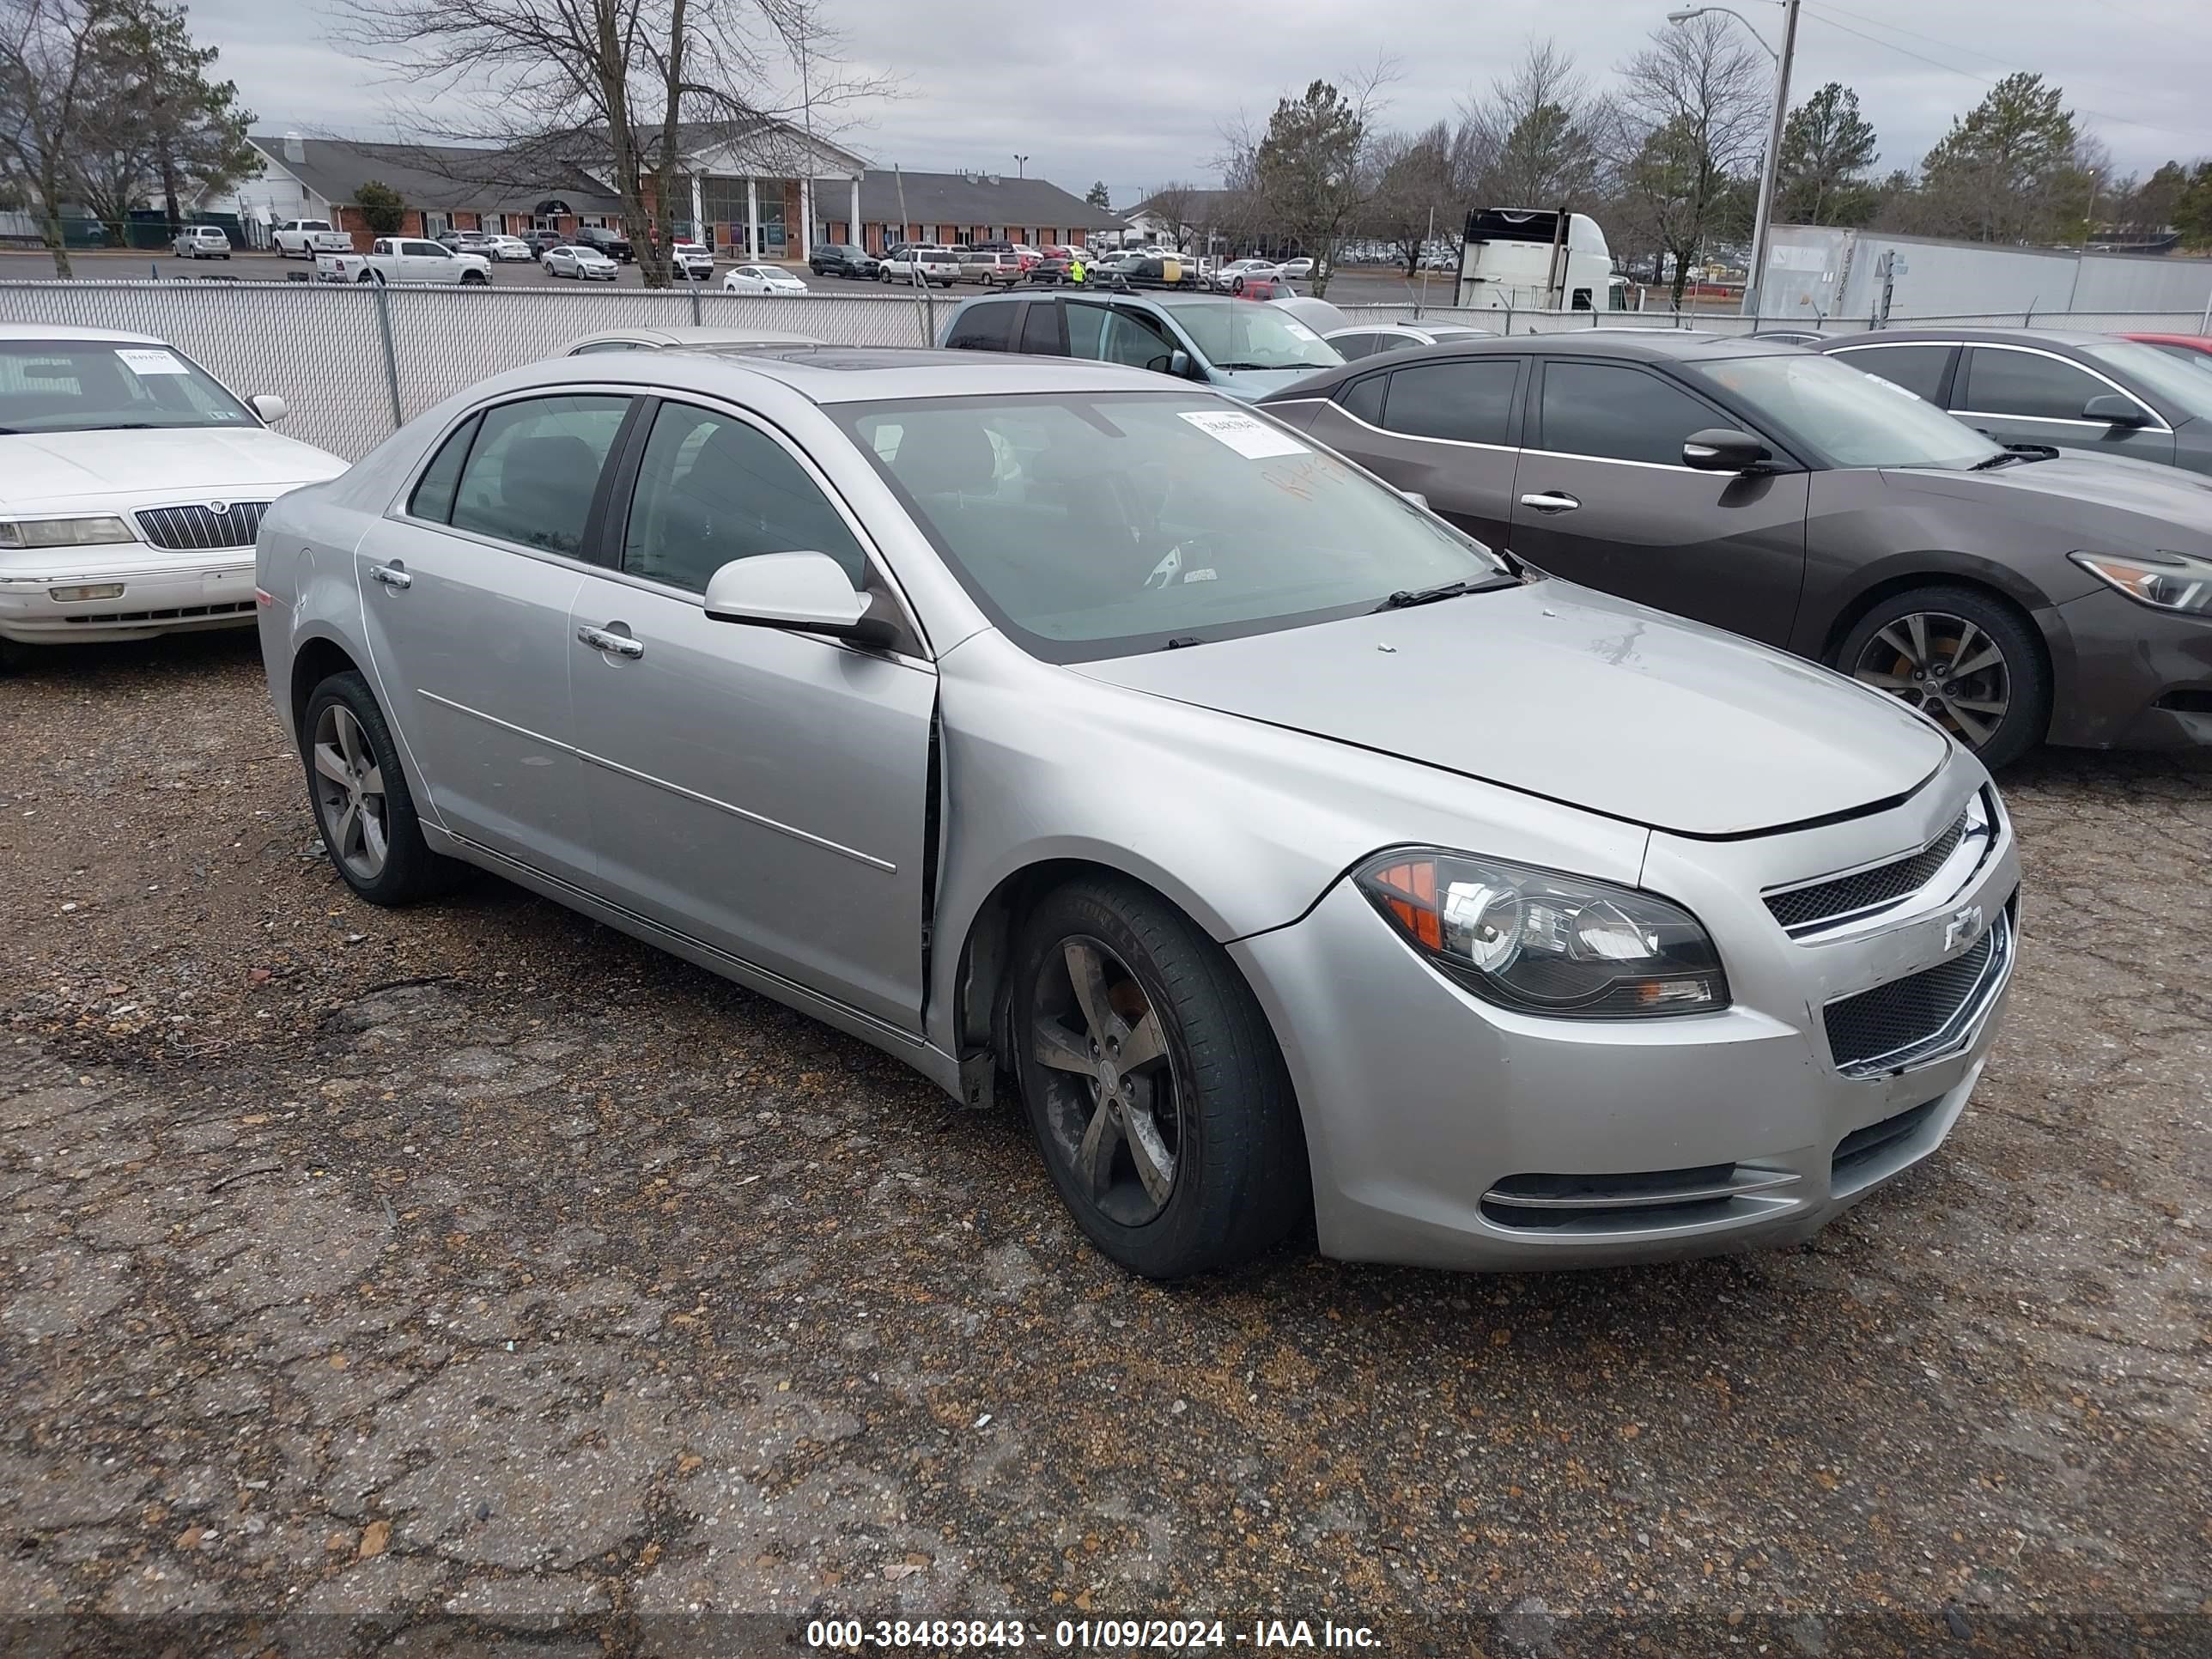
[1990,463]
[1406,596]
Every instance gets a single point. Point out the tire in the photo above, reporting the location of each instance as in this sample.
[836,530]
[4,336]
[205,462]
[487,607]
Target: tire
[1213,1104]
[365,276]
[1912,644]
[407,871]
[474,279]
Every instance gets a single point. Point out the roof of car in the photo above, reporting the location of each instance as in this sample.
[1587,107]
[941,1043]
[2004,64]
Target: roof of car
[844,374]
[693,336]
[70,331]
[2061,336]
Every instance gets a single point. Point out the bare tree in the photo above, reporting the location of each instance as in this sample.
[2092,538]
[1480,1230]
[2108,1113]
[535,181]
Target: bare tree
[48,58]
[1173,204]
[622,89]
[1416,193]
[1536,139]
[1685,132]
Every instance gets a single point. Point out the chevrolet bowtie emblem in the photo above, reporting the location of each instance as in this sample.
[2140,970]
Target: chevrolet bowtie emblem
[1963,927]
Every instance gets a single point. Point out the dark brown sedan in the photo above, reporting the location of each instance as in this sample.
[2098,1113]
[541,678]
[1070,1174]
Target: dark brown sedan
[2013,595]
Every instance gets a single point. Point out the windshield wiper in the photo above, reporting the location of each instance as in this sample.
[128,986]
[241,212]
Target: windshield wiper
[1990,463]
[1182,639]
[1263,365]
[123,426]
[1407,596]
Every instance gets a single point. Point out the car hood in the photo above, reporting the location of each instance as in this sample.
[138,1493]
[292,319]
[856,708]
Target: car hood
[1574,696]
[38,469]
[2101,484]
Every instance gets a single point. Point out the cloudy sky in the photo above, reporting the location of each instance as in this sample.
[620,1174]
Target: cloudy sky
[1134,91]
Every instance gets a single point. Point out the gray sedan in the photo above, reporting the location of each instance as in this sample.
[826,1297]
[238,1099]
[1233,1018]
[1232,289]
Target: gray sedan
[2090,392]
[943,697]
[2017,597]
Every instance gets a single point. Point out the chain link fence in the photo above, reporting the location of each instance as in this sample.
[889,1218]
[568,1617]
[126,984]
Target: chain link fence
[355,362]
[1731,323]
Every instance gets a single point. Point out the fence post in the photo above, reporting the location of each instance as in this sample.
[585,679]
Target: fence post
[390,357]
[694,286]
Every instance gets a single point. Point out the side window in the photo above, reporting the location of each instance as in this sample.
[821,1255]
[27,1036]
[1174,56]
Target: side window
[1364,398]
[536,463]
[711,490]
[986,327]
[1114,337]
[1996,381]
[608,345]
[1917,368]
[1351,347]
[1041,330]
[434,491]
[1470,401]
[1615,414]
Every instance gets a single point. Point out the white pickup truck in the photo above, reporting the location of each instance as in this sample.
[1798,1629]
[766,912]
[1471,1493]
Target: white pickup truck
[404,259]
[934,264]
[305,238]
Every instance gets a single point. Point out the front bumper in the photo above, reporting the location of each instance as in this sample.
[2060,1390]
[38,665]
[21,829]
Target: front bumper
[1448,1132]
[2127,676]
[215,590]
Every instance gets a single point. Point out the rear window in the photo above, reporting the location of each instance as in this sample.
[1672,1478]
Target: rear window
[983,328]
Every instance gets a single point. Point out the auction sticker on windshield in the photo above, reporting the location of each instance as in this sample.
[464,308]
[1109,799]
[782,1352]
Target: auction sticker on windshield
[151,362]
[1253,439]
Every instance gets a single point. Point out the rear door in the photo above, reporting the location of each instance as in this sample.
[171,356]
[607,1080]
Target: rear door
[2022,395]
[763,790]
[1447,429]
[465,589]
[1601,498]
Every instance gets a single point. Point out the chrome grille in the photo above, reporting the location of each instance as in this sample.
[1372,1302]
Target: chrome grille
[1923,1015]
[198,527]
[1800,909]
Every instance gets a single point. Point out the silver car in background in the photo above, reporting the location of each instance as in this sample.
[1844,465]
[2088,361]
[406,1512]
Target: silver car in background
[1066,731]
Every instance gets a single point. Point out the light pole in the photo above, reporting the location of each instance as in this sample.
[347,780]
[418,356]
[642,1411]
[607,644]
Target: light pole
[1021,167]
[1762,227]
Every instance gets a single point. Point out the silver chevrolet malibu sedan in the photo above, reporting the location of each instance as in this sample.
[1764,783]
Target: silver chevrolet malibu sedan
[1079,737]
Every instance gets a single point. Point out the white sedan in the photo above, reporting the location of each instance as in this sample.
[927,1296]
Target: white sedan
[506,248]
[1234,275]
[131,487]
[762,279]
[586,264]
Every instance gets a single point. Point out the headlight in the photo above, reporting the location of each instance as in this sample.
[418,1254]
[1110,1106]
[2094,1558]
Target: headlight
[2165,581]
[1542,943]
[63,532]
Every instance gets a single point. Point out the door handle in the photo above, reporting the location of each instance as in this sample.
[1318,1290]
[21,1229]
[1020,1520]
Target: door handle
[1550,500]
[600,640]
[391,575]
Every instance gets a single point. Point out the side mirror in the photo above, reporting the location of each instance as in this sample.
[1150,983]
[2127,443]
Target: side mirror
[2115,411]
[1179,363]
[1723,449]
[270,407]
[806,593]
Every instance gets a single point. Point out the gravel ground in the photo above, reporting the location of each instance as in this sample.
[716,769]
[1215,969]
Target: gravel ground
[476,1266]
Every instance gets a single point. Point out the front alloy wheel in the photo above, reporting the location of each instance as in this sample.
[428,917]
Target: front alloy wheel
[1965,658]
[1112,1106]
[1152,1082]
[1946,667]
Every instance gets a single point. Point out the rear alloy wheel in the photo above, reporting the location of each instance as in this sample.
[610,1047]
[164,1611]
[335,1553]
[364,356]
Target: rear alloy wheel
[362,805]
[1153,1084]
[1964,660]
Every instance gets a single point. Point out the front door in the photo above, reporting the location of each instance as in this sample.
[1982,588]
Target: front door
[1602,497]
[1443,430]
[2021,396]
[763,791]
[465,596]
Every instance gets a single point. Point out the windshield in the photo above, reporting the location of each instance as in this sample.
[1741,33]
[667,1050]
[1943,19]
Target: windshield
[88,386]
[1239,334]
[1843,417]
[2164,377]
[1100,524]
